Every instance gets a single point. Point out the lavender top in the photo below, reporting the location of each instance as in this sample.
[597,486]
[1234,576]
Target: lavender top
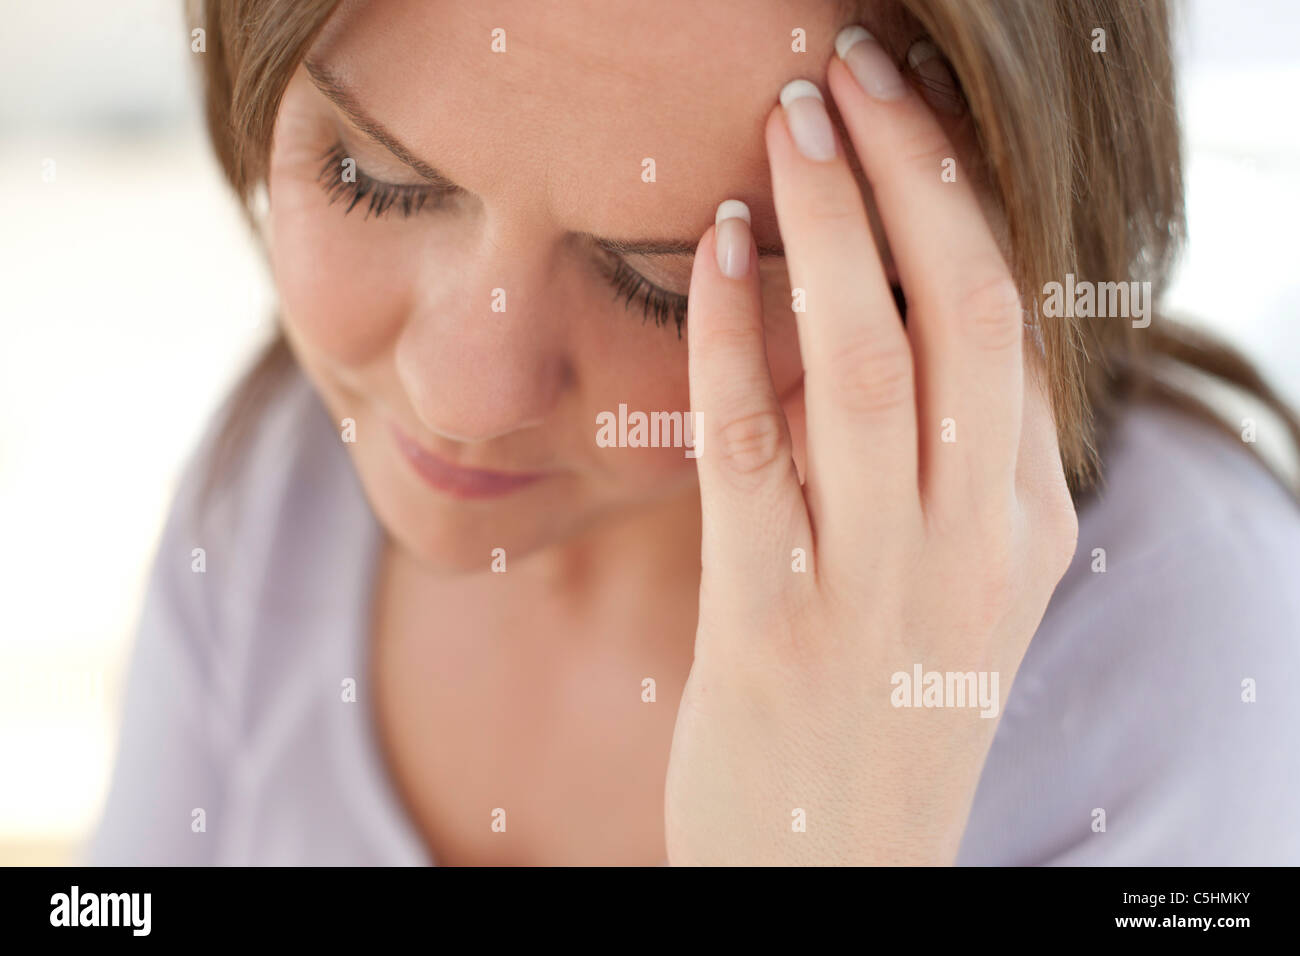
[1130,697]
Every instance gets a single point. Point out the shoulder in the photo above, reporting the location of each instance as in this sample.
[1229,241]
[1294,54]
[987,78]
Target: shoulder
[1161,686]
[261,505]
[254,603]
[286,533]
[1194,536]
[1170,475]
[223,519]
[238,496]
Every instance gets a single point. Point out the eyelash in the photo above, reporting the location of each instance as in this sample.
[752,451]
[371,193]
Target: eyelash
[629,284]
[407,199]
[659,304]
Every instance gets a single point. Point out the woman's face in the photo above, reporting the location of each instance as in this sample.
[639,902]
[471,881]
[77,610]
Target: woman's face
[485,326]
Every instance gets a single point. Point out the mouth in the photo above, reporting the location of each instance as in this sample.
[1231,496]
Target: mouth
[456,480]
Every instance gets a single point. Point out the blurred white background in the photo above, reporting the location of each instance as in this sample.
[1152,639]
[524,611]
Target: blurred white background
[132,295]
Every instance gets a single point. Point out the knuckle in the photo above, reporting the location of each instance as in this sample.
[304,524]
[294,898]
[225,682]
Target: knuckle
[926,150]
[984,557]
[996,582]
[753,443]
[870,378]
[727,334]
[992,313]
[986,531]
[992,521]
[1053,522]
[826,202]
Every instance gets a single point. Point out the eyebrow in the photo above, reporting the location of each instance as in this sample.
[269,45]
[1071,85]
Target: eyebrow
[667,247]
[334,90]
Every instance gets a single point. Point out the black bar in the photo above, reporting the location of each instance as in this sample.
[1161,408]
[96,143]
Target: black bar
[334,906]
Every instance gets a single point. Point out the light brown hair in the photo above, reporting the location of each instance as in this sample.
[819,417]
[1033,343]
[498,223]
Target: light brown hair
[1081,148]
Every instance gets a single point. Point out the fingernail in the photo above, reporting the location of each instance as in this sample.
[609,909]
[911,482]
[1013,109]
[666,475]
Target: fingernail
[938,85]
[808,121]
[731,238]
[869,64]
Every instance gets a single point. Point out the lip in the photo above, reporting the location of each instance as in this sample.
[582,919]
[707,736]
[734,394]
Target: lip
[455,480]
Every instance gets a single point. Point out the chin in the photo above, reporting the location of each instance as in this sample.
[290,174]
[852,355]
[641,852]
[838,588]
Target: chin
[445,535]
[448,536]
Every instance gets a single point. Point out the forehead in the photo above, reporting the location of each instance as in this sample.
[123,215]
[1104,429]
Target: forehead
[586,90]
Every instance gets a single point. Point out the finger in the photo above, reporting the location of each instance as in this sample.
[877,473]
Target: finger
[753,509]
[964,312]
[858,392]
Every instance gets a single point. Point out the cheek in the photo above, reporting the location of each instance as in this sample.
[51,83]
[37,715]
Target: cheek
[644,368]
[648,371]
[783,356]
[342,282]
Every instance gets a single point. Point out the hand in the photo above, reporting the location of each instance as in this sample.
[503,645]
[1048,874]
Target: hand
[920,550]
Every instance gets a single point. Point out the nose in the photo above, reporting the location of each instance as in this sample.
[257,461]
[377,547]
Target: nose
[483,354]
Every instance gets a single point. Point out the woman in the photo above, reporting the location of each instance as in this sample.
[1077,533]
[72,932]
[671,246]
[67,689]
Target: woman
[433,589]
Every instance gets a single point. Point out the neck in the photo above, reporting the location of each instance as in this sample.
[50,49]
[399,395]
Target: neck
[640,568]
[658,546]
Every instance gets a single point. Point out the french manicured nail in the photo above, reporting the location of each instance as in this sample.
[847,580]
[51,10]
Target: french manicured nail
[869,64]
[808,121]
[938,85]
[731,238]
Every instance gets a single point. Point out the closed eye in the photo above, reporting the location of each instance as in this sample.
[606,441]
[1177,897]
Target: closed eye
[342,182]
[635,289]
[355,186]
